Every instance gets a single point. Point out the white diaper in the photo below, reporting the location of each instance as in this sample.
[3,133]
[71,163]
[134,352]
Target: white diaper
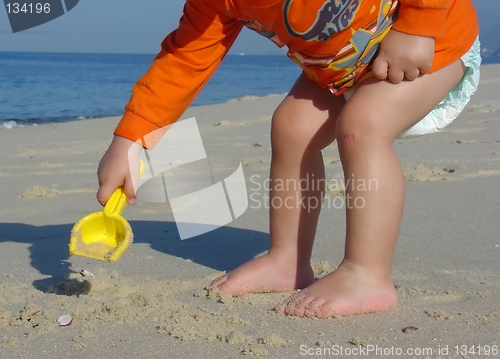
[454,103]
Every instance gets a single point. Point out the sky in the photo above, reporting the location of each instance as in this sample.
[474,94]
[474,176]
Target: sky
[137,26]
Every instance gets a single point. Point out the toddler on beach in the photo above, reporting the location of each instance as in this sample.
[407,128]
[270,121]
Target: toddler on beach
[407,67]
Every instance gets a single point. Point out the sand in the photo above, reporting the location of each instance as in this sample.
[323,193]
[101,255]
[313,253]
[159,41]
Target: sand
[151,303]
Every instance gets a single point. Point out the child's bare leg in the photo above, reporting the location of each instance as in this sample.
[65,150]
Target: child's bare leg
[302,126]
[366,129]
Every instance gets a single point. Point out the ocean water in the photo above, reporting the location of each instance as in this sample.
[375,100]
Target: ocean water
[39,88]
[57,87]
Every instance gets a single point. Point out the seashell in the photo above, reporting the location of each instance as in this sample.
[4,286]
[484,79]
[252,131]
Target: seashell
[86,273]
[65,320]
[409,329]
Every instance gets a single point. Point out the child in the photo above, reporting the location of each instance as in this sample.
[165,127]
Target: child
[398,60]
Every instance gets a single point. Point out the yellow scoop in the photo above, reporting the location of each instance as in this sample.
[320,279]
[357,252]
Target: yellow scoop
[103,235]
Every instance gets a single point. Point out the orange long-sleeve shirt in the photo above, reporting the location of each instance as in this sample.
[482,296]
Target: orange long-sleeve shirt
[333,41]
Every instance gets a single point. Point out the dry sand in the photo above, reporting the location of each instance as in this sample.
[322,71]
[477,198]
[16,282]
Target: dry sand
[151,303]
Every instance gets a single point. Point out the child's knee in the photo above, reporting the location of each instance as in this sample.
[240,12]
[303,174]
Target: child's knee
[282,129]
[358,121]
[289,128]
[359,128]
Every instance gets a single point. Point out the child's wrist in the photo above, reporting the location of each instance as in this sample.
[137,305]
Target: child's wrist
[126,144]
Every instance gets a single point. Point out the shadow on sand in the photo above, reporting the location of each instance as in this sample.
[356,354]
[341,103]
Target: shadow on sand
[49,247]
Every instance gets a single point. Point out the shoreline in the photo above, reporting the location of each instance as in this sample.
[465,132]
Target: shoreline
[11,123]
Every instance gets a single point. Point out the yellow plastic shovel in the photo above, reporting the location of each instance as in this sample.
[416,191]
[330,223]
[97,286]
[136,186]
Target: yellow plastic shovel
[103,235]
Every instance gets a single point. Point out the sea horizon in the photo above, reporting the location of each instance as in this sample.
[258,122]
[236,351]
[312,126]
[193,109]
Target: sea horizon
[48,87]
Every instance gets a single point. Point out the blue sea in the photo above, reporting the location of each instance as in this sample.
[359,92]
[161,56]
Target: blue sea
[40,88]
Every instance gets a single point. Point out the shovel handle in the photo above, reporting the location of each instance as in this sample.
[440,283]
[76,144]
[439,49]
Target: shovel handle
[116,203]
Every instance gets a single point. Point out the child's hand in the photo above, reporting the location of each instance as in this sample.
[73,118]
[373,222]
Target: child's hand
[119,167]
[403,56]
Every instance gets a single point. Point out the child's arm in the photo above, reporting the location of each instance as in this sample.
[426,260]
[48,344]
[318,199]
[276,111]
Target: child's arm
[407,50]
[189,57]
[119,167]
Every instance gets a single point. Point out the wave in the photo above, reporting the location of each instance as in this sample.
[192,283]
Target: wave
[10,124]
[16,122]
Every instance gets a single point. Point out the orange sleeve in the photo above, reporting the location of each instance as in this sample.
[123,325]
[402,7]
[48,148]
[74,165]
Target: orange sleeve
[422,17]
[188,58]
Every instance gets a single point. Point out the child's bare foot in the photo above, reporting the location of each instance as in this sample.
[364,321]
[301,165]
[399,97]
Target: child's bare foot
[347,290]
[267,273]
